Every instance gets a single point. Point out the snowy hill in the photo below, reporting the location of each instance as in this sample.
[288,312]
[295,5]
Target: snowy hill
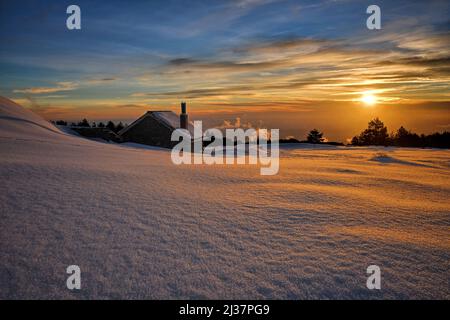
[17,121]
[140,227]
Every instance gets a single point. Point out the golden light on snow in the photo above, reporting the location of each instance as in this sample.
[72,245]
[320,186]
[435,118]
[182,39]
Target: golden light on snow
[369,99]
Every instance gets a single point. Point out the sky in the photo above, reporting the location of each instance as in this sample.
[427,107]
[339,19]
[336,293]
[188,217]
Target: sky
[292,65]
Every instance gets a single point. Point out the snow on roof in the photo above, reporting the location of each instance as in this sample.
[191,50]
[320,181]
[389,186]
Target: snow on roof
[172,119]
[168,118]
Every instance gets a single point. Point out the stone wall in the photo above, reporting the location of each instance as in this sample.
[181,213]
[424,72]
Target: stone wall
[150,132]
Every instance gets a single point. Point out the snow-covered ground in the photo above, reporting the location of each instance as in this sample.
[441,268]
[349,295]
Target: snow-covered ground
[140,227]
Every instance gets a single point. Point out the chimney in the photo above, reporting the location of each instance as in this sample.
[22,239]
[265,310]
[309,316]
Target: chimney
[183,116]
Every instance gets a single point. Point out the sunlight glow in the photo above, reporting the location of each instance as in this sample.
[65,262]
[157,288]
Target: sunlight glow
[369,99]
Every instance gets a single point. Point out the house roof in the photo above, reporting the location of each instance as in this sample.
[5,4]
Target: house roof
[168,118]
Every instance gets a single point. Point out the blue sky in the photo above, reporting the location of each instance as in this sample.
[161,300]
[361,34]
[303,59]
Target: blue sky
[245,56]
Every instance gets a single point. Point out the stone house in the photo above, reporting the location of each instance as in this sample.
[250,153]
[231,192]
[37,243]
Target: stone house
[155,128]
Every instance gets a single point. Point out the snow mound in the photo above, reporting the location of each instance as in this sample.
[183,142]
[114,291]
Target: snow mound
[140,227]
[386,159]
[18,122]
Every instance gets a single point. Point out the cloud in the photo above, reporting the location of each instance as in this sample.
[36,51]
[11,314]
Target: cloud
[419,61]
[60,86]
[102,80]
[197,93]
[222,65]
[64,86]
[281,69]
[213,16]
[182,61]
[251,3]
[54,96]
[405,62]
[289,43]
[132,106]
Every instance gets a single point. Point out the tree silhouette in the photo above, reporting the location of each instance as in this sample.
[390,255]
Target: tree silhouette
[405,138]
[84,123]
[315,136]
[375,134]
[119,127]
[111,126]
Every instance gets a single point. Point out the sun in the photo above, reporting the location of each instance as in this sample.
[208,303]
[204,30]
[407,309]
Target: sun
[369,99]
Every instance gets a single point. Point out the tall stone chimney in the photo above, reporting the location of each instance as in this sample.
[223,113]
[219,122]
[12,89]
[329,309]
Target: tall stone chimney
[183,116]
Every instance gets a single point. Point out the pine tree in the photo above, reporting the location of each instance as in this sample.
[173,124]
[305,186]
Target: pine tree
[375,134]
[111,126]
[315,136]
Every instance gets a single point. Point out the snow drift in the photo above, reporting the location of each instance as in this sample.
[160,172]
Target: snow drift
[140,227]
[16,122]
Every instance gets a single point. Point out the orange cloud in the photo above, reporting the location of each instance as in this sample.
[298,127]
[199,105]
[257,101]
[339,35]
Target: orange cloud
[61,86]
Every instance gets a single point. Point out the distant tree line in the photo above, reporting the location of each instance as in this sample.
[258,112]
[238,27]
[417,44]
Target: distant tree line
[314,136]
[376,134]
[85,124]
